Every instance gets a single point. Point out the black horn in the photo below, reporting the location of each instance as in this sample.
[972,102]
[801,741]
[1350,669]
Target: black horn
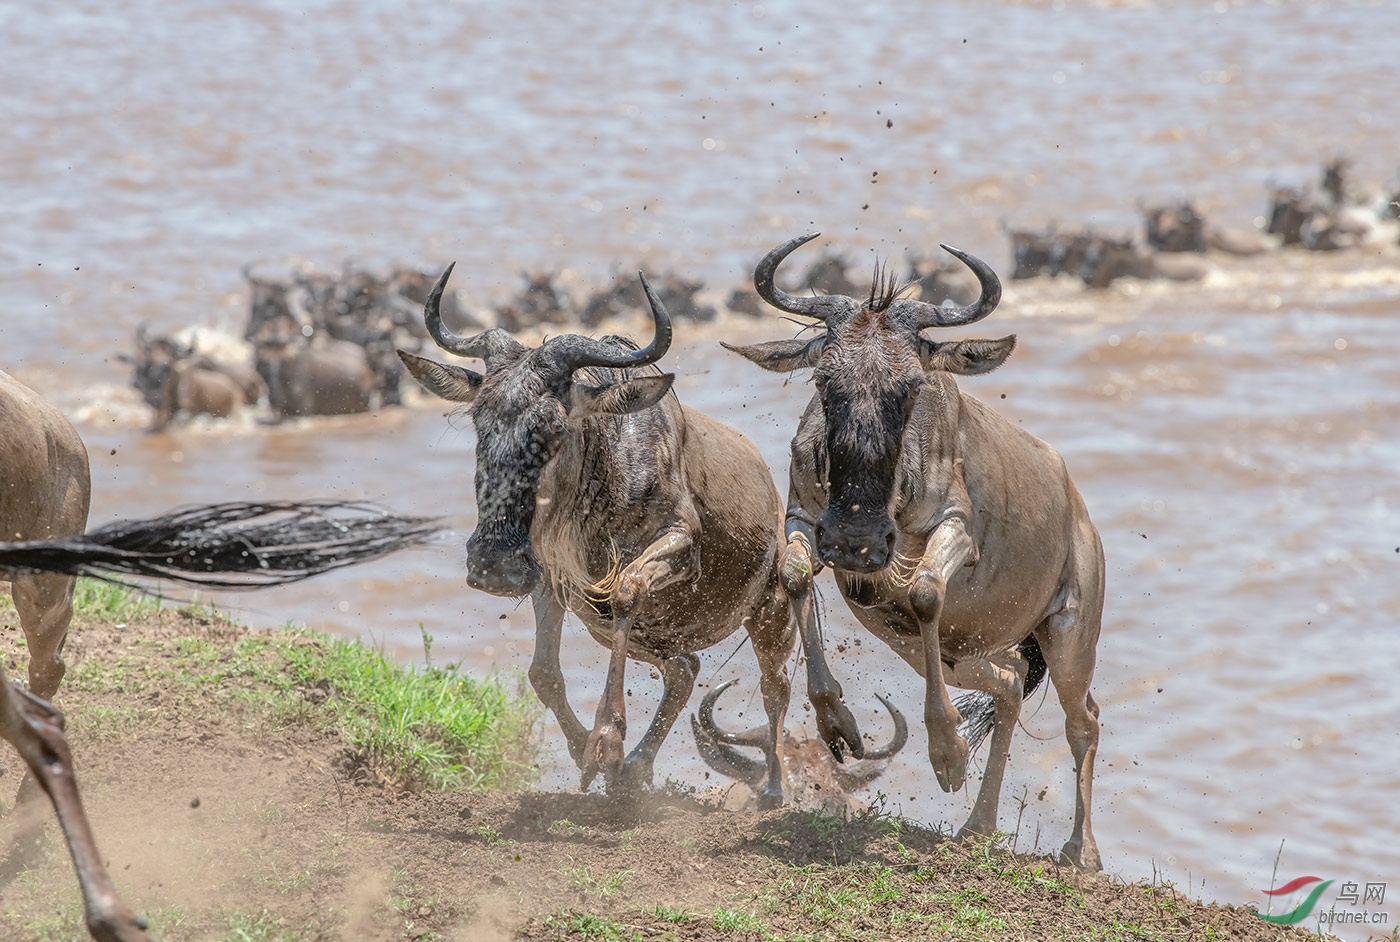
[820,307]
[485,345]
[900,737]
[717,746]
[921,314]
[588,352]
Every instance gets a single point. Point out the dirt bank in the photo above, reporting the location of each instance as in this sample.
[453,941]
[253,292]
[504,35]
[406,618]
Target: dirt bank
[228,814]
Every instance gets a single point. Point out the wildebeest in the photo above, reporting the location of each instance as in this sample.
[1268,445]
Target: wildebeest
[313,375]
[813,779]
[1176,227]
[599,493]
[956,537]
[1049,253]
[173,379]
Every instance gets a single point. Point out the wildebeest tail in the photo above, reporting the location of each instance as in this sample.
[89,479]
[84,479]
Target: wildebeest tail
[978,711]
[243,545]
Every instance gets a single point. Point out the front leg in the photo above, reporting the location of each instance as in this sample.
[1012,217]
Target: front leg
[545,674]
[949,548]
[836,725]
[669,559]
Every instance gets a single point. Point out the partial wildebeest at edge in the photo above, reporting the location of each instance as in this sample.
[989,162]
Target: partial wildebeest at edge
[813,779]
[955,537]
[44,506]
[599,493]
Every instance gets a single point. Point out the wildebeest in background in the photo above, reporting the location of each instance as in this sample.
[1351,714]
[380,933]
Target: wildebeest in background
[814,780]
[174,379]
[1047,253]
[311,375]
[956,537]
[601,494]
[1175,227]
[626,295]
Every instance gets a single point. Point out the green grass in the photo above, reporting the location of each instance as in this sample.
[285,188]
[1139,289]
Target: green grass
[95,598]
[435,727]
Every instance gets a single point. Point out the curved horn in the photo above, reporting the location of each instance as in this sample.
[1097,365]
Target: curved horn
[588,352]
[484,346]
[900,737]
[820,307]
[717,746]
[922,315]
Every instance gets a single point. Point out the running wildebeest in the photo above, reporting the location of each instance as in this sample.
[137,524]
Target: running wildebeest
[44,506]
[813,779]
[599,493]
[956,538]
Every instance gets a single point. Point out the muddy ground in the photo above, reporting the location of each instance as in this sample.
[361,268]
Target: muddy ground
[225,821]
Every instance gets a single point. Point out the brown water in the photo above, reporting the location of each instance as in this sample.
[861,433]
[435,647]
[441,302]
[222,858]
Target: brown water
[1236,441]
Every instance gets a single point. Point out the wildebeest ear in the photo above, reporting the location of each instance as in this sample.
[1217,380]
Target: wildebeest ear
[782,356]
[450,382]
[630,395]
[965,357]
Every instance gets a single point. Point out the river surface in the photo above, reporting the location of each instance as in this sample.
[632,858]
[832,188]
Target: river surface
[1237,440]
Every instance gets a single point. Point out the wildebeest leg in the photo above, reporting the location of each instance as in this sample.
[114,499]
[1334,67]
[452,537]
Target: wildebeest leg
[773,640]
[35,728]
[678,680]
[45,607]
[668,559]
[836,725]
[949,547]
[1003,676]
[1068,639]
[545,674]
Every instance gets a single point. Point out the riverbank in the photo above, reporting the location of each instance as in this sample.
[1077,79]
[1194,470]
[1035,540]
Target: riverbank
[250,787]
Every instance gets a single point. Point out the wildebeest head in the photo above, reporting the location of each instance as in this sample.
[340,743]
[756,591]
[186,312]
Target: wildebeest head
[869,366]
[813,779]
[522,407]
[151,366]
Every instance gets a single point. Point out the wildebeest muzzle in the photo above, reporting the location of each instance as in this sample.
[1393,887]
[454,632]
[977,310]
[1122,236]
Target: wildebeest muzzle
[505,567]
[860,544]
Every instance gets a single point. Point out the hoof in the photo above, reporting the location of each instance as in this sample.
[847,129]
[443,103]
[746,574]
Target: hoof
[1074,854]
[949,761]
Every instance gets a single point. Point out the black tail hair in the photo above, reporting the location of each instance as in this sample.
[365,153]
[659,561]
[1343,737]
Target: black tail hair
[243,545]
[977,709]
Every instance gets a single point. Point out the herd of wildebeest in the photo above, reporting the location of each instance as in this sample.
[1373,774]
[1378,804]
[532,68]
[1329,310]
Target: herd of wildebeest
[955,537]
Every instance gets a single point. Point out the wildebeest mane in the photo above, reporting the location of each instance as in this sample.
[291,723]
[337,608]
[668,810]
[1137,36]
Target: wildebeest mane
[238,545]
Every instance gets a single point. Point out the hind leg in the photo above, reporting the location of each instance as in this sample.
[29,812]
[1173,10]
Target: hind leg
[1002,676]
[45,606]
[1068,640]
[678,680]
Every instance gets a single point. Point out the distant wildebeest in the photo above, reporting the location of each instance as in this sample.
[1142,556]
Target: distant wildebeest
[955,537]
[44,507]
[1107,259]
[625,295]
[311,375]
[599,493]
[813,779]
[174,379]
[1047,254]
[1176,227]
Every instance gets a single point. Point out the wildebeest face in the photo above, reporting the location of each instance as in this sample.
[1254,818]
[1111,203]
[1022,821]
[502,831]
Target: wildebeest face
[870,368]
[867,378]
[524,408]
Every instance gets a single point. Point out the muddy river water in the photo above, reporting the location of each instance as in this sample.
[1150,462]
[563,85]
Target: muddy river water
[1236,440]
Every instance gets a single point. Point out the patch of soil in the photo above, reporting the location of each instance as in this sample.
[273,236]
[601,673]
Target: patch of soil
[219,825]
